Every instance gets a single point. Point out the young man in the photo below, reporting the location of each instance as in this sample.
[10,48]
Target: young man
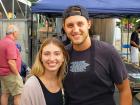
[134,42]
[95,67]
[10,63]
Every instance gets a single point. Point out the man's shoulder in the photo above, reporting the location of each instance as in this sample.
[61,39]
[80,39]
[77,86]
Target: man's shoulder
[6,40]
[103,47]
[99,43]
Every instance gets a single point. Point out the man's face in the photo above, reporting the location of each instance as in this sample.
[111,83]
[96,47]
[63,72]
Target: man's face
[76,28]
[16,35]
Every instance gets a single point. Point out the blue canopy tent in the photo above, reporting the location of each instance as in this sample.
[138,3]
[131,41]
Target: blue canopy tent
[96,8]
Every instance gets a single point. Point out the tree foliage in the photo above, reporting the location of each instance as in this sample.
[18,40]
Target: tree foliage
[131,21]
[33,0]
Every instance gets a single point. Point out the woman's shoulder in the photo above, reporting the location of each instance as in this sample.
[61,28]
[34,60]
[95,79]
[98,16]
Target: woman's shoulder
[32,81]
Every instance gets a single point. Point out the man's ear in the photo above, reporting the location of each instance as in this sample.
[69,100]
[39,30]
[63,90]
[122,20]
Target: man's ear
[63,28]
[89,24]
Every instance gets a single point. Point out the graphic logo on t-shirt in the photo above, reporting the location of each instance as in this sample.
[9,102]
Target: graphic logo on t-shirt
[78,66]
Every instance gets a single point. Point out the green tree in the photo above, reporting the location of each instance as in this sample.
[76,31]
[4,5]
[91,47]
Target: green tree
[33,1]
[131,21]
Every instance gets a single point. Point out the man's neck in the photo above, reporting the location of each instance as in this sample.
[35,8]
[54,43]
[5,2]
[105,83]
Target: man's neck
[83,46]
[11,37]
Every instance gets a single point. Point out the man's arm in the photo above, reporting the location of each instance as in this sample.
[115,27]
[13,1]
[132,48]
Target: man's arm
[13,67]
[125,95]
[134,44]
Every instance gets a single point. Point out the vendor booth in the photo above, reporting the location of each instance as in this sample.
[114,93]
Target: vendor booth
[101,12]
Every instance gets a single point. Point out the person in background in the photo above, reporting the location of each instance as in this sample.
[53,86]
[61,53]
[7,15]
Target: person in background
[10,63]
[95,67]
[44,87]
[134,50]
[24,71]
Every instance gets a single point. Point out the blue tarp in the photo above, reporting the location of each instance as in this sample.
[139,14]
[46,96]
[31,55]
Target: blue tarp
[101,8]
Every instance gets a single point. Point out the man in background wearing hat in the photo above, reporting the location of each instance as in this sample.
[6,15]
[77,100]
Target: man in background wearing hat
[10,63]
[95,67]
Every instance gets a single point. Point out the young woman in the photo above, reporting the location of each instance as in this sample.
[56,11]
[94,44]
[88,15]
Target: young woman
[44,87]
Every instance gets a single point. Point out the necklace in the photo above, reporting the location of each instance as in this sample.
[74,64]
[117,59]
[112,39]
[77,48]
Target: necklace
[63,96]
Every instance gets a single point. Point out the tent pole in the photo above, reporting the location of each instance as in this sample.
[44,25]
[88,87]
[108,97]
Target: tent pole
[13,8]
[121,36]
[38,36]
[31,40]
[26,10]
[128,35]
[20,8]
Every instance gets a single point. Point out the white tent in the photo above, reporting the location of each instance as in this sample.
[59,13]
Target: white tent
[14,6]
[25,2]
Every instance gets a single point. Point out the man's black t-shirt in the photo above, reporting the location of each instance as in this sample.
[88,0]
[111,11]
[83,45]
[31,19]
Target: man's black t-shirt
[135,38]
[92,74]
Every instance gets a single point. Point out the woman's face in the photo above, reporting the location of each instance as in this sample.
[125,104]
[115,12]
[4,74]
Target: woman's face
[52,57]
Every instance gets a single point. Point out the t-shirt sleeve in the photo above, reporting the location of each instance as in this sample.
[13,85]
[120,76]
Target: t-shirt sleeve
[133,36]
[118,70]
[11,51]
